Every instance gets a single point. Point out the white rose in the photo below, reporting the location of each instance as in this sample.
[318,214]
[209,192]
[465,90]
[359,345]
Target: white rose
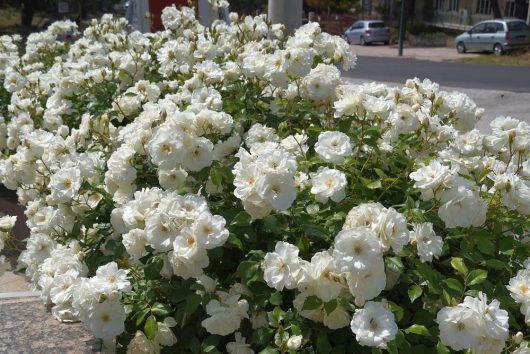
[333,146]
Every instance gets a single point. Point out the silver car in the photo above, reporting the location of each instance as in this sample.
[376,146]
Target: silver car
[366,32]
[496,36]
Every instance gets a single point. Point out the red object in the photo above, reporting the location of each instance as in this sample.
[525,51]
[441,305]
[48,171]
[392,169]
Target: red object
[367,31]
[507,35]
[156,7]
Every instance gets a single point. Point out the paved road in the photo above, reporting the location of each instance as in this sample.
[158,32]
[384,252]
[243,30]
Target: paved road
[475,76]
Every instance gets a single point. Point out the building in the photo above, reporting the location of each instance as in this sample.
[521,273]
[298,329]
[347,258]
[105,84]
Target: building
[462,14]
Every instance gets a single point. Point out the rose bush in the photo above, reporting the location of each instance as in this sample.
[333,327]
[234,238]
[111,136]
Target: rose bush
[223,189]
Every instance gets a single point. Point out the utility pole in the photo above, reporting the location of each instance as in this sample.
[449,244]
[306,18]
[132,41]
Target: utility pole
[288,12]
[401,28]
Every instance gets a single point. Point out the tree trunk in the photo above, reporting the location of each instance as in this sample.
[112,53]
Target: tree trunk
[520,9]
[495,8]
[28,10]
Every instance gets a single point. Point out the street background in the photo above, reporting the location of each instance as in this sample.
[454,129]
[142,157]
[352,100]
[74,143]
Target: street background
[500,90]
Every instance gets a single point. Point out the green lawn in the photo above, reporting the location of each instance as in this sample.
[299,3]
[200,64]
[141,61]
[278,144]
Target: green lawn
[514,58]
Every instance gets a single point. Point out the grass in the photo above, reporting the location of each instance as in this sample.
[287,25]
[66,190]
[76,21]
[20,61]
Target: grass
[518,58]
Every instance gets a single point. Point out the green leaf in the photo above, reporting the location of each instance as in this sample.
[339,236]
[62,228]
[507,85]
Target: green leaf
[414,292]
[380,173]
[151,327]
[477,276]
[442,349]
[262,336]
[453,286]
[494,263]
[323,345]
[330,306]
[248,271]
[394,264]
[486,246]
[209,344]
[275,316]
[216,177]
[398,311]
[161,310]
[194,345]
[140,316]
[418,329]
[192,304]
[235,241]
[152,270]
[374,184]
[392,347]
[459,265]
[241,219]
[311,303]
[338,349]
[269,350]
[276,298]
[315,230]
[76,230]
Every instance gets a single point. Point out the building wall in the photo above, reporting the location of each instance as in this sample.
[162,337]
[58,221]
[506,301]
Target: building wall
[456,14]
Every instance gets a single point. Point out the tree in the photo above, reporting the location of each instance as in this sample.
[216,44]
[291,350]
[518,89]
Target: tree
[496,9]
[28,10]
[520,9]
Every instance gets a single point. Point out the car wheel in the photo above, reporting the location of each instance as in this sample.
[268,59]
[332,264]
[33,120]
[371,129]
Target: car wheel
[498,49]
[386,42]
[362,41]
[460,47]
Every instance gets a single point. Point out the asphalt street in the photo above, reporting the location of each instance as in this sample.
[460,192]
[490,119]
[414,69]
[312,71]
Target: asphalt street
[472,76]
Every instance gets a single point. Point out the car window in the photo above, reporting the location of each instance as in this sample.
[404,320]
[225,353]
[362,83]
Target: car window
[517,26]
[493,27]
[376,25]
[480,28]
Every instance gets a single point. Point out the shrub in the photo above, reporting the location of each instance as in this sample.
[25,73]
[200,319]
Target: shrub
[224,189]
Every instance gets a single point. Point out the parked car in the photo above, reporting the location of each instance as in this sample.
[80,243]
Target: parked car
[497,36]
[366,32]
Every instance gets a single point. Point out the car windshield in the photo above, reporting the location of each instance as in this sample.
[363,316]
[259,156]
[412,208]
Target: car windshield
[376,25]
[517,26]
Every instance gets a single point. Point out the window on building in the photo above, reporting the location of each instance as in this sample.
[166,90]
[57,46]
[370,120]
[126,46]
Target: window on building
[454,5]
[439,4]
[509,9]
[483,7]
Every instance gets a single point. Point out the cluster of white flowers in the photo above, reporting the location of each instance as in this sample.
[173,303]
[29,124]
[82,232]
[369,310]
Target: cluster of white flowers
[265,175]
[168,222]
[474,324]
[353,267]
[519,287]
[389,226]
[6,224]
[456,179]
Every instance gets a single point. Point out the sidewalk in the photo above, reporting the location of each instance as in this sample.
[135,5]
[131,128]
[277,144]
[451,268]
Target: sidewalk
[421,53]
